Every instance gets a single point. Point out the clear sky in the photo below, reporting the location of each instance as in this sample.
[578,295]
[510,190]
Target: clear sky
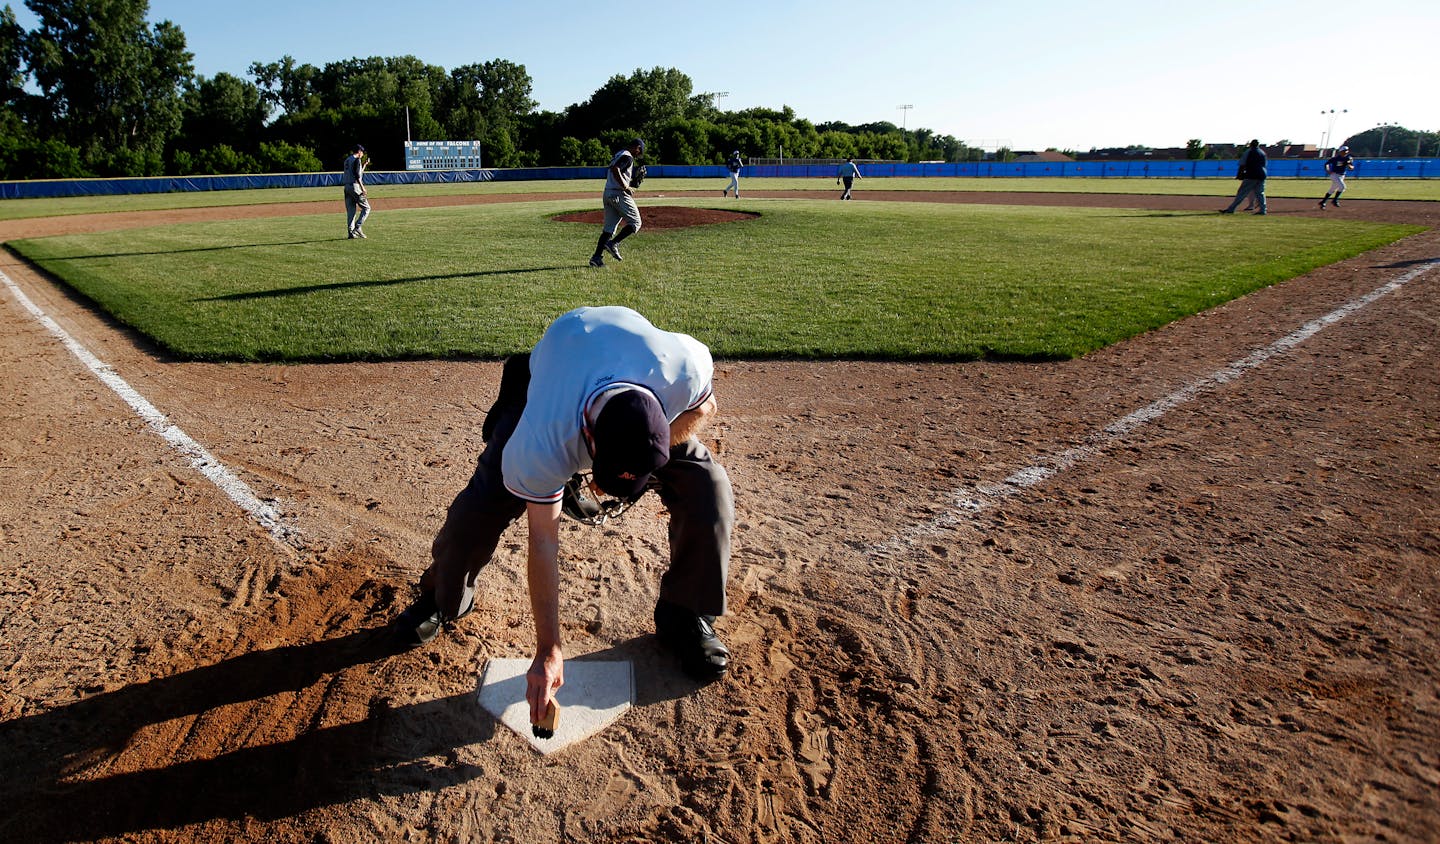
[1029,75]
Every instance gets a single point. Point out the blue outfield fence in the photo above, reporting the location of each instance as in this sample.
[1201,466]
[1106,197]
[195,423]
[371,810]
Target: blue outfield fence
[1279,168]
[1374,168]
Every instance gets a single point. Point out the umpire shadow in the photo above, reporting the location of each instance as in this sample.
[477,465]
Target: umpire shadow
[42,754]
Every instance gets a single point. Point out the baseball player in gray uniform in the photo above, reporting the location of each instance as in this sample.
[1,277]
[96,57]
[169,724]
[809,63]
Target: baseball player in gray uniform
[607,392]
[619,201]
[355,197]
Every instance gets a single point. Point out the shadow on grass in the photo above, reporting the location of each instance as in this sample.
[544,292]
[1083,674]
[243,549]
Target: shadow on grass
[184,251]
[344,285]
[1151,215]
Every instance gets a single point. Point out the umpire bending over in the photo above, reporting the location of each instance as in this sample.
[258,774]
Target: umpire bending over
[604,391]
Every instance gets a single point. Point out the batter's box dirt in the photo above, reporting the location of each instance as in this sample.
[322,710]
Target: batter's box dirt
[665,217]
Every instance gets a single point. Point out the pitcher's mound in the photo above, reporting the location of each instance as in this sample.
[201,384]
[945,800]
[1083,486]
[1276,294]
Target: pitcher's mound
[664,217]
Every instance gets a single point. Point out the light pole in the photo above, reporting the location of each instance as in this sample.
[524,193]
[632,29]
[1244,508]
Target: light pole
[719,95]
[904,114]
[1384,133]
[1329,128]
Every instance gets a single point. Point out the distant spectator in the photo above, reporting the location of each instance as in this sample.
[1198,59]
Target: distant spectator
[1252,178]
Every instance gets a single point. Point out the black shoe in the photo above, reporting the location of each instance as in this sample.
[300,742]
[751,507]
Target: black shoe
[702,655]
[597,261]
[1335,203]
[418,624]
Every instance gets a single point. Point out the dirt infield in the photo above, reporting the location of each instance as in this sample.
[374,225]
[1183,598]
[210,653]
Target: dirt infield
[1145,595]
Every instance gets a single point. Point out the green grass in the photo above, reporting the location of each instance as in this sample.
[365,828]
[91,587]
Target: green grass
[809,278]
[14,209]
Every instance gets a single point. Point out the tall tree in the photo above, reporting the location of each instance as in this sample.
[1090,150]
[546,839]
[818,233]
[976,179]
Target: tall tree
[112,81]
[286,85]
[223,110]
[12,60]
[643,102]
[490,102]
[491,93]
[357,100]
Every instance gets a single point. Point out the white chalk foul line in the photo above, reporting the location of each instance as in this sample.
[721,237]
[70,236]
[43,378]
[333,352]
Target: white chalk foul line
[266,514]
[968,502]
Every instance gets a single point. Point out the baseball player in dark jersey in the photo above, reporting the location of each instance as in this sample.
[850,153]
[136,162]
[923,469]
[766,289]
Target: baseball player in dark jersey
[733,164]
[847,173]
[619,199]
[1336,166]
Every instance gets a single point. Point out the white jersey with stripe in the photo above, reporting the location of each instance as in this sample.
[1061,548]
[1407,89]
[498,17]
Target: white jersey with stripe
[581,355]
[625,162]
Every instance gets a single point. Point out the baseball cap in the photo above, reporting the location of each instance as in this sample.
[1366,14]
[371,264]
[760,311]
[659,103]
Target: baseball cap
[638,142]
[1343,148]
[632,440]
[357,148]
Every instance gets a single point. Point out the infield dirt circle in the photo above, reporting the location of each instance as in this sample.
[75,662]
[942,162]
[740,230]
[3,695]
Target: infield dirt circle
[1216,623]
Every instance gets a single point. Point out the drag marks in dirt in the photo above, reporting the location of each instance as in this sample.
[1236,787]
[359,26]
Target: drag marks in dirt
[847,699]
[265,513]
[968,502]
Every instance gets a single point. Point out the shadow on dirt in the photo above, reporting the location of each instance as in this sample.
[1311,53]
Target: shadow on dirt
[66,777]
[42,754]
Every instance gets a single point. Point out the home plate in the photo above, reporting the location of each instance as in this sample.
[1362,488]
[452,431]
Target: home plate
[595,694]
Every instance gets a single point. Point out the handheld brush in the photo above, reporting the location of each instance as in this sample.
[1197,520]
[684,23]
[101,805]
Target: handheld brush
[546,728]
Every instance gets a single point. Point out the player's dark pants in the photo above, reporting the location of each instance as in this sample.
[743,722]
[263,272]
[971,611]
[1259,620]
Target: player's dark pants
[692,486]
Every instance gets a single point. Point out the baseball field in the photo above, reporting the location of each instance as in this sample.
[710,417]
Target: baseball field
[1061,516]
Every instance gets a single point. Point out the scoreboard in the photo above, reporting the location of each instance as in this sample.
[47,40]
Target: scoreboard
[442,155]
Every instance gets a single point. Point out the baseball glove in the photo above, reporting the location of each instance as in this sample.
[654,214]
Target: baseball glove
[638,176]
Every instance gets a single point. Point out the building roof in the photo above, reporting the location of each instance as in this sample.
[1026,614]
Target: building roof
[1047,155]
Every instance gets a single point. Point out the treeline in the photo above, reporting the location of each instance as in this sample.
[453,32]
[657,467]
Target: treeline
[1394,142]
[96,90]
